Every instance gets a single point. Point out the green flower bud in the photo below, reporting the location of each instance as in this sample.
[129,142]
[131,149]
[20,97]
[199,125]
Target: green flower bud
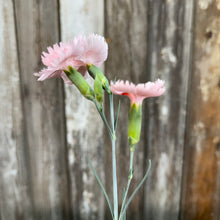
[95,71]
[98,90]
[78,80]
[134,125]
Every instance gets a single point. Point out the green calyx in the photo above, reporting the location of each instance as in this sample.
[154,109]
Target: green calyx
[78,80]
[98,91]
[94,72]
[134,125]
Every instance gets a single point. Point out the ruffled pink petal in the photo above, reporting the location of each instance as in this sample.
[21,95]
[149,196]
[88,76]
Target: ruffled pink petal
[62,55]
[48,73]
[96,50]
[77,53]
[150,89]
[51,73]
[137,93]
[120,87]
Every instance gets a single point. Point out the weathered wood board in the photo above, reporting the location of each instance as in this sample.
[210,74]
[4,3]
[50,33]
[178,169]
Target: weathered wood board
[201,189]
[15,201]
[169,57]
[84,126]
[37,26]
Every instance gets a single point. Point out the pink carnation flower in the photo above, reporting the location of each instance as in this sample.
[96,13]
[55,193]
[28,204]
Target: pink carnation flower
[77,53]
[95,50]
[137,93]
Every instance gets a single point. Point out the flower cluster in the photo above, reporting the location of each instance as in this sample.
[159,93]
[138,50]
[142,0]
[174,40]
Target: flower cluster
[77,53]
[72,61]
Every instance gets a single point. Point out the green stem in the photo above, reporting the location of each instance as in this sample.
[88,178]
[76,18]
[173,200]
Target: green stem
[114,171]
[104,120]
[128,184]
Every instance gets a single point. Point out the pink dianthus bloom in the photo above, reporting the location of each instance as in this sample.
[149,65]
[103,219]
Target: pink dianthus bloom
[95,50]
[77,53]
[137,93]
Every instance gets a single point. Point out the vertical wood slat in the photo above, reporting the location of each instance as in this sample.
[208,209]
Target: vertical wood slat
[169,56]
[84,127]
[202,153]
[126,30]
[14,186]
[37,27]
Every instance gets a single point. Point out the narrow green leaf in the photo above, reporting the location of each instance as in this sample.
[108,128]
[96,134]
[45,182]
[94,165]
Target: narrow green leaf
[102,187]
[135,191]
[114,81]
[117,114]
[123,197]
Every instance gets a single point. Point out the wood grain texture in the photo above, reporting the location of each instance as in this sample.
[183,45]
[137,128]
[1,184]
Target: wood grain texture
[202,157]
[84,127]
[169,55]
[37,27]
[15,202]
[126,31]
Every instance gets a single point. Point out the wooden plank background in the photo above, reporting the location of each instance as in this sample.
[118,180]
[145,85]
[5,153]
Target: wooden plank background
[83,137]
[47,130]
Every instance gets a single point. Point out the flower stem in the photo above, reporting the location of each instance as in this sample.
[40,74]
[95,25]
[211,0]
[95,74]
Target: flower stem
[104,119]
[114,171]
[128,184]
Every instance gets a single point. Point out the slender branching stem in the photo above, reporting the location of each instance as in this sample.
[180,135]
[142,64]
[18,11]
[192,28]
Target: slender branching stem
[114,171]
[135,191]
[128,184]
[104,119]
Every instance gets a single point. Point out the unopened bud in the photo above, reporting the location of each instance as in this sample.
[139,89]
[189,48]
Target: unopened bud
[98,90]
[78,80]
[95,71]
